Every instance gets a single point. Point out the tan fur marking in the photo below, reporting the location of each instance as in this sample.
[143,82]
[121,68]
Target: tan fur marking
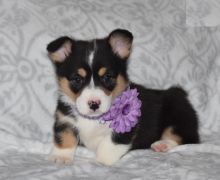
[168,134]
[68,139]
[102,71]
[82,72]
[55,57]
[64,87]
[106,91]
[121,85]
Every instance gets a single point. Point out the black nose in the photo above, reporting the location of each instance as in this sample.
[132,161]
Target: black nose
[94,105]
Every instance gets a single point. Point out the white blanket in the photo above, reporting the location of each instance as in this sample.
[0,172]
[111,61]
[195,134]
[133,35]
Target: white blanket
[174,43]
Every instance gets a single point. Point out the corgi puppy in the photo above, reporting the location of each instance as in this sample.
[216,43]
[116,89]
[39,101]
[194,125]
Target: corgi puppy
[91,75]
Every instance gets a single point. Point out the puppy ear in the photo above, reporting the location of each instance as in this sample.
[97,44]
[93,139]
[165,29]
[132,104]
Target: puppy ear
[59,49]
[121,42]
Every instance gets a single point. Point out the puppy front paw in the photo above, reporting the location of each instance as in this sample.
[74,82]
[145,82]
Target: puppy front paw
[61,159]
[62,156]
[109,153]
[106,160]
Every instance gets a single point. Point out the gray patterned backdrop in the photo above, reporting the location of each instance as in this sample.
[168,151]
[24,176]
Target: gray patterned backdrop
[175,42]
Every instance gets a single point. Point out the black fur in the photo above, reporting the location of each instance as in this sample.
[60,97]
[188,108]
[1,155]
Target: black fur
[161,109]
[55,45]
[64,109]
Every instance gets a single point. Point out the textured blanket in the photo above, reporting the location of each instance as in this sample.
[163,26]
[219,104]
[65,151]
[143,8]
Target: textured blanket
[176,42]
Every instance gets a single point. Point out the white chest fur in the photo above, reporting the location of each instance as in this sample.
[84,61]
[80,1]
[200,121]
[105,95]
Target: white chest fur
[95,136]
[91,132]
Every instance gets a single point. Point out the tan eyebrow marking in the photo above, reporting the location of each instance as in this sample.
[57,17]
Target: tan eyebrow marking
[102,71]
[82,72]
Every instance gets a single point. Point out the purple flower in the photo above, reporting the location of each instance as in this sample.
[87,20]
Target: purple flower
[124,111]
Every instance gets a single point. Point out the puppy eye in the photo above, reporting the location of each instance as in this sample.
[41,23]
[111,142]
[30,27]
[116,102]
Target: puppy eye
[76,81]
[107,77]
[108,81]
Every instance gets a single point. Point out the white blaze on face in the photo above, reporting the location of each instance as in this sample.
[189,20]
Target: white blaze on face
[92,84]
[91,57]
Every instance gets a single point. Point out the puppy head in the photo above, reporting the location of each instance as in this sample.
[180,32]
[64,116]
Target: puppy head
[92,73]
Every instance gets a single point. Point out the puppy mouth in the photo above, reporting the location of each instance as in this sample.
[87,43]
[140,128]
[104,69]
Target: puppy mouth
[91,115]
[96,113]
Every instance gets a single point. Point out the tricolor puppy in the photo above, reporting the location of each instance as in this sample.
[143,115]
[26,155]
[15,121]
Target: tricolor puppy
[91,75]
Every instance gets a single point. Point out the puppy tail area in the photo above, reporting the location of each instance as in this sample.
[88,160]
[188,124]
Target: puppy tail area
[179,116]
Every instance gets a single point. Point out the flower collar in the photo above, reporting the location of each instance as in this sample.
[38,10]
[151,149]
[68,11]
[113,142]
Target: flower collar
[123,113]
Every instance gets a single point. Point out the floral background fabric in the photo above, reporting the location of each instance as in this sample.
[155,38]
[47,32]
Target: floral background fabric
[175,43]
[203,13]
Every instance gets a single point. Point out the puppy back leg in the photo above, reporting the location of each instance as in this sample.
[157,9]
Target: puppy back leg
[168,141]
